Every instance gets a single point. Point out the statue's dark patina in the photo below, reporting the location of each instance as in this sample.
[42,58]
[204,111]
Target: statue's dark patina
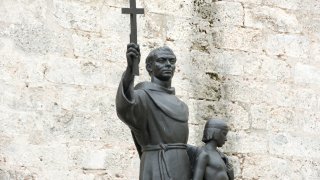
[157,118]
[212,163]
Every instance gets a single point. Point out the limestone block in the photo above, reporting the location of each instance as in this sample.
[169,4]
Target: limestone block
[296,145]
[245,2]
[16,67]
[294,4]
[269,167]
[23,97]
[238,39]
[273,118]
[271,93]
[120,4]
[177,29]
[95,160]
[315,52]
[77,125]
[98,48]
[18,12]
[235,91]
[308,5]
[278,94]
[239,63]
[306,98]
[304,73]
[85,99]
[273,69]
[309,22]
[220,13]
[272,18]
[115,27]
[246,142]
[309,121]
[237,116]
[202,110]
[40,39]
[20,153]
[81,72]
[259,116]
[155,26]
[202,60]
[287,44]
[17,173]
[207,85]
[76,15]
[202,42]
[175,7]
[11,11]
[230,63]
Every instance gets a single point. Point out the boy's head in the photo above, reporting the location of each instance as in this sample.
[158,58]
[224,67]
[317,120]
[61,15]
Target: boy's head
[216,130]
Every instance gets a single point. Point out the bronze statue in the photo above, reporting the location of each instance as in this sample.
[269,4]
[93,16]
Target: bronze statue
[157,118]
[212,164]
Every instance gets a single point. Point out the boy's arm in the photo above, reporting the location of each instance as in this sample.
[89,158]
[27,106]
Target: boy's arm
[201,165]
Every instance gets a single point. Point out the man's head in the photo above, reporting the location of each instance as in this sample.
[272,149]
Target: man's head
[217,130]
[161,63]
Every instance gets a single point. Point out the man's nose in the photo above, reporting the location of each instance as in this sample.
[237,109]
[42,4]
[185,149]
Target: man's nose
[168,63]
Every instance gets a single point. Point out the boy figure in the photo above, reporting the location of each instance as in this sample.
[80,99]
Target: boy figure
[212,164]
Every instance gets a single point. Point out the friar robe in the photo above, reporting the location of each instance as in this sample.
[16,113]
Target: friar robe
[159,124]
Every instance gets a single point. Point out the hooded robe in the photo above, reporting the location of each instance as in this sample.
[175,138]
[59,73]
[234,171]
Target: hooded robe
[159,124]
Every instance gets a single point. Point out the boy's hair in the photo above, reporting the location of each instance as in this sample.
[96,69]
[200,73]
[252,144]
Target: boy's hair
[212,127]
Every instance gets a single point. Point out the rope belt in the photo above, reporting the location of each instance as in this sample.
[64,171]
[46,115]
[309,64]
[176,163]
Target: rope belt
[162,148]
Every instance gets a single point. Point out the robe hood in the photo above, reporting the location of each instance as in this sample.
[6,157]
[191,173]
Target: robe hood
[169,104]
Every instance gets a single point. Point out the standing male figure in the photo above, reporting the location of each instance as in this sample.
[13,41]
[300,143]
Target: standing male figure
[157,118]
[211,163]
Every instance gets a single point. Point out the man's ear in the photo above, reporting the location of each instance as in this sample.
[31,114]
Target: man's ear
[149,68]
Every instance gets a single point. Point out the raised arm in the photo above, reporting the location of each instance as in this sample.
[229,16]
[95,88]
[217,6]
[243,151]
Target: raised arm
[133,54]
[128,102]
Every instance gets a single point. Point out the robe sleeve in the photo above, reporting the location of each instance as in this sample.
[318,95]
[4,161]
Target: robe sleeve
[131,112]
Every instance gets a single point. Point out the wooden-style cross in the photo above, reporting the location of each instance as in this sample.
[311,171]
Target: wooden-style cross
[133,11]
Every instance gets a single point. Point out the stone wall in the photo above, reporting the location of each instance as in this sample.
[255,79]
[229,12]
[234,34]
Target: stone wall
[254,62]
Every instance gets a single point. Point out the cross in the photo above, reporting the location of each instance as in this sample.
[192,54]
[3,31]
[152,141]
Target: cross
[133,11]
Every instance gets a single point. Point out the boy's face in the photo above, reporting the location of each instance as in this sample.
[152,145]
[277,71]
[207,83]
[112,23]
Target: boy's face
[221,137]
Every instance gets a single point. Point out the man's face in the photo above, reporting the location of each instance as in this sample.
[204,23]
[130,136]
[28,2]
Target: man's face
[163,65]
[222,137]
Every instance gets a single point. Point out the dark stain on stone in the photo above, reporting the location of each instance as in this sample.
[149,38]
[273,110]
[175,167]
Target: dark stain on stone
[213,76]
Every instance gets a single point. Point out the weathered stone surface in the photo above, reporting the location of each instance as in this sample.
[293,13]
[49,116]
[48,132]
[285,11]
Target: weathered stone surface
[276,19]
[236,38]
[247,142]
[41,39]
[273,118]
[220,13]
[76,15]
[175,7]
[308,5]
[304,73]
[290,144]
[253,63]
[287,44]
[270,93]
[270,167]
[309,121]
